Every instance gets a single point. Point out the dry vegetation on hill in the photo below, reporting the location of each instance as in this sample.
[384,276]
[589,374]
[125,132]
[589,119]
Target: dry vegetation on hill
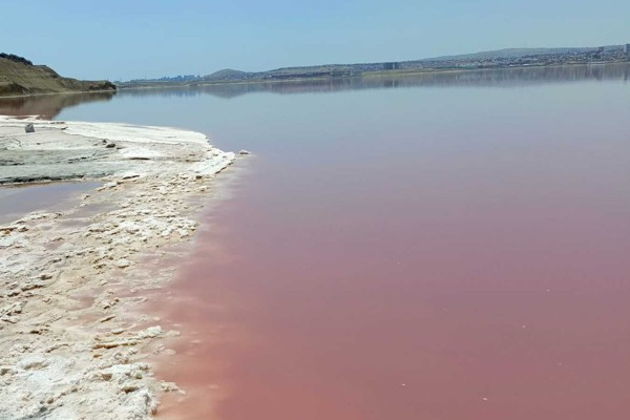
[19,76]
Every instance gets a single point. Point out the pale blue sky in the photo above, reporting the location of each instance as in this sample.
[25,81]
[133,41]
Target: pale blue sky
[118,39]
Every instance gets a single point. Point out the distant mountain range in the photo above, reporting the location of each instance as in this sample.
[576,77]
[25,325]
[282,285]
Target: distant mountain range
[19,76]
[513,57]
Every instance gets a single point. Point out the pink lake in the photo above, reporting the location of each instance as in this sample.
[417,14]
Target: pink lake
[446,250]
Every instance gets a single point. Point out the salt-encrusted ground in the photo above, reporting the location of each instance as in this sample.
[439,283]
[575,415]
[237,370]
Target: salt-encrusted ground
[60,150]
[73,344]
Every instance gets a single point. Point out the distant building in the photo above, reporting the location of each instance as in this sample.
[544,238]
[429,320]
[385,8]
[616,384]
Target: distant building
[391,66]
[626,49]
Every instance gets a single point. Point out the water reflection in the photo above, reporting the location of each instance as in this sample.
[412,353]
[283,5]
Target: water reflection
[508,77]
[48,106]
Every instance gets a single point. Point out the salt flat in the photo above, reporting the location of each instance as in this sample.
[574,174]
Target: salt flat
[59,150]
[73,340]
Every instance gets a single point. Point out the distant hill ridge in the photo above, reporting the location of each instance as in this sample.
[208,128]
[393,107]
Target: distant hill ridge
[524,52]
[226,74]
[16,58]
[19,76]
[485,59]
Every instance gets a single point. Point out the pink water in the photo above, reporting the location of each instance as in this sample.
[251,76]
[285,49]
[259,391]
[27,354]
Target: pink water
[417,253]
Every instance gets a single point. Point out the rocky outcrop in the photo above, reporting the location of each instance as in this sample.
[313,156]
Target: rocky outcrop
[18,76]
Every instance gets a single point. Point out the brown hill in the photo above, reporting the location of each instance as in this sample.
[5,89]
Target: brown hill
[19,76]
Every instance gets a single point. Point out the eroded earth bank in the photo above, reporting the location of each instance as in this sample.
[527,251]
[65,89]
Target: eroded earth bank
[73,343]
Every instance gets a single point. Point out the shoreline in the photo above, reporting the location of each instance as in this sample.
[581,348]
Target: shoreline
[394,74]
[73,335]
[64,92]
[168,302]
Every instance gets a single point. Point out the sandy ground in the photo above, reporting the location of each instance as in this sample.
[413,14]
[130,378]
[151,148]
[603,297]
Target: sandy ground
[72,343]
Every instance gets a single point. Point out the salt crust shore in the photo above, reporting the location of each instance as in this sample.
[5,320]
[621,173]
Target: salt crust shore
[60,150]
[73,344]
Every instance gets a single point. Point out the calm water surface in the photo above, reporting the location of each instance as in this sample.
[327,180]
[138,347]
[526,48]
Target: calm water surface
[15,201]
[449,249]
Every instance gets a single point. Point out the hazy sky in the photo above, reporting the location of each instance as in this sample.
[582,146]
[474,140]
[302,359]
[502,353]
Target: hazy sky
[117,39]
